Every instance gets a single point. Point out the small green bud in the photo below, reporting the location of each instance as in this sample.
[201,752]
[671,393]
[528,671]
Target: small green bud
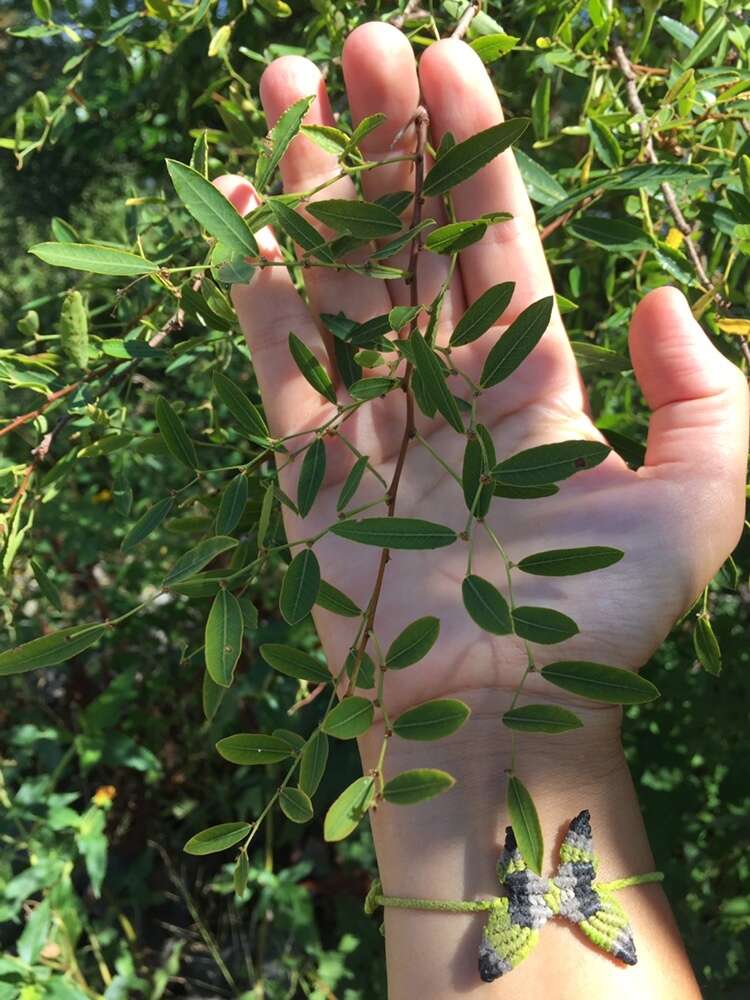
[74,329]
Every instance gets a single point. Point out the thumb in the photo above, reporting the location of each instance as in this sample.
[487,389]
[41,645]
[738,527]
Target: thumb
[698,399]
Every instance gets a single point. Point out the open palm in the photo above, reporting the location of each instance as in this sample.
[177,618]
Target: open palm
[676,518]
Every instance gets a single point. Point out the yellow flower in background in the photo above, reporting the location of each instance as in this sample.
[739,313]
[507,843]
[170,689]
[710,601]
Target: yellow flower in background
[104,795]
[103,496]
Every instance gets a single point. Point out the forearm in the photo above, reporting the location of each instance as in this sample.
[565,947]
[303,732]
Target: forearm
[447,848]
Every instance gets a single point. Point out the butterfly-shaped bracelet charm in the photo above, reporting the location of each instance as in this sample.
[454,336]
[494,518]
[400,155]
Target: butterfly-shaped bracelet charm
[515,920]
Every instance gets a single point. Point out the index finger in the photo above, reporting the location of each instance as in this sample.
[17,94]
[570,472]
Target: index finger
[461,99]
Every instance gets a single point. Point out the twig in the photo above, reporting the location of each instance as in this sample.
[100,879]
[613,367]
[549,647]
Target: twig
[410,10]
[421,124]
[636,106]
[466,18]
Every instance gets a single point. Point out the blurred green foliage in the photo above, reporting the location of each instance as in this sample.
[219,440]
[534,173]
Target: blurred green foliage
[107,764]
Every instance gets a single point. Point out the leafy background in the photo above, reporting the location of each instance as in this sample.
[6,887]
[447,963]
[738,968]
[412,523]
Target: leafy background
[107,763]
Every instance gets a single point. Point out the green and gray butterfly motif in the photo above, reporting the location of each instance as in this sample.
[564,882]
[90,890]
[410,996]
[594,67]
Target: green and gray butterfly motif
[515,920]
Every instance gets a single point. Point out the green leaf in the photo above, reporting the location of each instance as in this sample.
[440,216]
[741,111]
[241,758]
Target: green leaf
[524,492]
[347,811]
[486,605]
[482,314]
[232,506]
[526,827]
[600,683]
[146,523]
[466,158]
[541,185]
[612,234]
[363,219]
[413,643]
[174,434]
[540,100]
[50,650]
[492,47]
[212,695]
[541,719]
[223,638]
[294,663]
[550,463]
[417,786]
[208,206]
[709,39]
[311,368]
[350,718]
[313,762]
[296,226]
[285,129]
[332,599]
[604,142]
[266,509]
[331,139]
[680,32]
[241,874]
[248,416]
[543,625]
[93,258]
[299,589]
[518,341]
[74,329]
[351,483]
[432,720]
[199,154]
[455,236]
[253,748]
[569,562]
[46,587]
[706,646]
[395,533]
[311,476]
[367,125]
[217,838]
[196,558]
[295,805]
[372,388]
[365,671]
[393,246]
[431,372]
[474,467]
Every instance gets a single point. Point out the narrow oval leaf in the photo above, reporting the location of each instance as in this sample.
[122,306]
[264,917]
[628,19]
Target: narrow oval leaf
[543,625]
[706,646]
[49,650]
[74,328]
[396,533]
[217,838]
[600,682]
[482,314]
[285,129]
[360,218]
[455,236]
[241,874]
[347,811]
[247,415]
[350,718]
[372,388]
[612,234]
[297,226]
[299,589]
[365,671]
[196,558]
[541,719]
[253,748]
[212,695]
[466,158]
[294,663]
[351,483]
[477,496]
[432,720]
[569,562]
[526,827]
[223,638]
[434,381]
[313,762]
[311,368]
[174,434]
[524,492]
[417,786]
[266,509]
[232,506]
[46,587]
[295,805]
[311,476]
[95,259]
[413,644]
[147,523]
[208,206]
[332,599]
[486,605]
[550,463]
[518,341]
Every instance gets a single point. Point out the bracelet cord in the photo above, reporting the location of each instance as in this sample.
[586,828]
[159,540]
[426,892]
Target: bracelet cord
[515,920]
